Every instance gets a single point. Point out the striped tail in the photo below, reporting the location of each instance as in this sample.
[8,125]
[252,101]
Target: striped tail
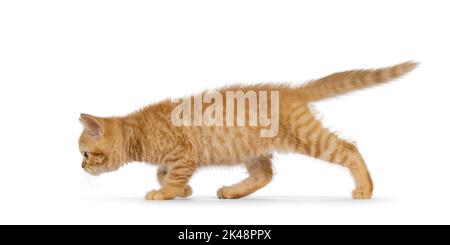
[348,81]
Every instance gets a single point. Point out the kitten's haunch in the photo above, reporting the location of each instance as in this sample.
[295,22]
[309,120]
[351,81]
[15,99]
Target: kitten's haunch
[198,139]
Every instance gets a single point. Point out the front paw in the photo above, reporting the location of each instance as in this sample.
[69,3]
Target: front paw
[185,191]
[159,195]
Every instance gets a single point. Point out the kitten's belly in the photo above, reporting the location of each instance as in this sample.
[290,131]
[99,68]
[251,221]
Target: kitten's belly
[232,146]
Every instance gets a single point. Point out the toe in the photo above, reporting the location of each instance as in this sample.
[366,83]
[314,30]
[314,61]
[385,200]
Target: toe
[158,195]
[361,193]
[185,192]
[227,193]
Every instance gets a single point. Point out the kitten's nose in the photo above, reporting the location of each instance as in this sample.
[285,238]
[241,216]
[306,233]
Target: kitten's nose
[83,164]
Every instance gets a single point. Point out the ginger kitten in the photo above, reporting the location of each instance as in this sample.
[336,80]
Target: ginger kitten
[210,129]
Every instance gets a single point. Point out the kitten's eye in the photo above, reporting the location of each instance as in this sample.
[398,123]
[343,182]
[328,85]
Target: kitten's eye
[85,155]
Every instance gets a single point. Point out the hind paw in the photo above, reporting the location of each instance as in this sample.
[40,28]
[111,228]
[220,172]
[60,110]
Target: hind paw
[361,193]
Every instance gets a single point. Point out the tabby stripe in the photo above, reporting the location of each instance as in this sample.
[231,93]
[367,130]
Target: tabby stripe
[308,122]
[326,149]
[327,141]
[377,76]
[312,130]
[319,142]
[344,160]
[343,152]
[314,147]
[306,148]
[298,115]
[354,83]
[333,155]
[171,158]
[318,152]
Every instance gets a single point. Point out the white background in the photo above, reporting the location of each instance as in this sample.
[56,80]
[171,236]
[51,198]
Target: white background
[61,58]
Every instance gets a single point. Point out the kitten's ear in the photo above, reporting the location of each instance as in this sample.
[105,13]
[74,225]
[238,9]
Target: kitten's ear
[92,125]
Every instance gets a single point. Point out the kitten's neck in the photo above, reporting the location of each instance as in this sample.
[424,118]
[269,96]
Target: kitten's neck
[133,142]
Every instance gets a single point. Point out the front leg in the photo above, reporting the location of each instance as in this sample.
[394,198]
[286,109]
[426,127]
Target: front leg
[161,175]
[174,181]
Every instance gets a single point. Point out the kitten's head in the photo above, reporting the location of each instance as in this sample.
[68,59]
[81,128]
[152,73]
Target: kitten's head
[100,144]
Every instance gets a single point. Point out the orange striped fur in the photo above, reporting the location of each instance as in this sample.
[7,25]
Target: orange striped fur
[149,135]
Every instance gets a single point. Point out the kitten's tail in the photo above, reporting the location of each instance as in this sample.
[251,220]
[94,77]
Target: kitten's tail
[348,81]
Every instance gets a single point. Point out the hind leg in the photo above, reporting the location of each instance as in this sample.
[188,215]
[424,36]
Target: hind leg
[260,174]
[316,141]
[161,174]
